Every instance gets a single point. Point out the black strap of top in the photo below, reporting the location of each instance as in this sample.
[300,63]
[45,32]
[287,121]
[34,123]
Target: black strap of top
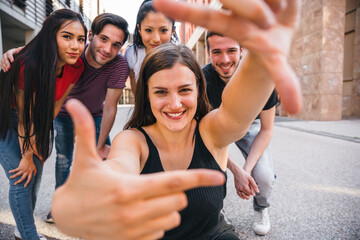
[148,140]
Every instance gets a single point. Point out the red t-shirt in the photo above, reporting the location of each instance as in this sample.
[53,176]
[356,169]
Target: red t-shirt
[71,74]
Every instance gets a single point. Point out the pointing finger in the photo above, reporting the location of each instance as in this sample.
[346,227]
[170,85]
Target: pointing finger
[153,185]
[256,11]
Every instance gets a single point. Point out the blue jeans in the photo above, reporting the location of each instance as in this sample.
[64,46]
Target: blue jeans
[22,199]
[263,172]
[64,145]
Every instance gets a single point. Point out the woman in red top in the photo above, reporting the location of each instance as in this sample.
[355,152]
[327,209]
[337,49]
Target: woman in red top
[31,95]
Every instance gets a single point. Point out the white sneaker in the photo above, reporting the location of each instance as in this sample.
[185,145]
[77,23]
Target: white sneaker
[42,237]
[261,224]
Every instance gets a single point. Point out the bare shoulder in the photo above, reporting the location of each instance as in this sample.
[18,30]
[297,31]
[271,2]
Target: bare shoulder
[130,142]
[129,137]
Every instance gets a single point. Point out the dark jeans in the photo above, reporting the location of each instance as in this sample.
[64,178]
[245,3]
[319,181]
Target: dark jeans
[64,145]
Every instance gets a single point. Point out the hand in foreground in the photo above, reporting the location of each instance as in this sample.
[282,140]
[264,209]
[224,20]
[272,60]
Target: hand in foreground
[96,202]
[265,28]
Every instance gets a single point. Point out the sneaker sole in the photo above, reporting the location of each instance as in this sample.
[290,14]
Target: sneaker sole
[50,220]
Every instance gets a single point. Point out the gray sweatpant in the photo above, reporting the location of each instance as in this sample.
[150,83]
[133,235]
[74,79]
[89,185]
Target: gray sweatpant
[263,172]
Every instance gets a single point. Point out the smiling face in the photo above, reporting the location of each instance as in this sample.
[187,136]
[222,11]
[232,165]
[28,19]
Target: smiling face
[155,29]
[173,97]
[104,46]
[225,54]
[70,39]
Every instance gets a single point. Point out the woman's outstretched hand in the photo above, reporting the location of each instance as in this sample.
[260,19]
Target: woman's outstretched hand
[97,202]
[265,28]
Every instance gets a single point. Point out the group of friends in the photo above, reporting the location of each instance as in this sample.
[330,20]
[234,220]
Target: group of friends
[164,176]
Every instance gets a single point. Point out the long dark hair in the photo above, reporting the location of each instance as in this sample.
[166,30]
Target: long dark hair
[38,62]
[144,10]
[163,57]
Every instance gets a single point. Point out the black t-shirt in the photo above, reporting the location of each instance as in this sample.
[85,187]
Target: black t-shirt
[215,86]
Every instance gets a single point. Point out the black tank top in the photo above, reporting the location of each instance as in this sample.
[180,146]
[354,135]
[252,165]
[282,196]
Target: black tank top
[201,219]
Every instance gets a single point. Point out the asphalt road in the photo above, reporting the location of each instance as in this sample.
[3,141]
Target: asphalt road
[317,194]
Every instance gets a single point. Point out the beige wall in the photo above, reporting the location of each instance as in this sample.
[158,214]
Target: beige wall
[351,88]
[317,58]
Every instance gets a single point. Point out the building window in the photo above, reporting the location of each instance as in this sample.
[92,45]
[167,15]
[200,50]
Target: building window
[49,7]
[20,3]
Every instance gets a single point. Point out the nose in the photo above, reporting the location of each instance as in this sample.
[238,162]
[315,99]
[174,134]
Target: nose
[156,37]
[107,48]
[75,44]
[225,58]
[175,101]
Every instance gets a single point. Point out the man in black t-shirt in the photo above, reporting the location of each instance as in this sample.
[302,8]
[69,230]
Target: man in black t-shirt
[256,178]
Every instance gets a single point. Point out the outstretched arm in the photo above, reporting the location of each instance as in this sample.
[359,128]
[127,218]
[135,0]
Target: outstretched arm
[266,30]
[109,204]
[109,113]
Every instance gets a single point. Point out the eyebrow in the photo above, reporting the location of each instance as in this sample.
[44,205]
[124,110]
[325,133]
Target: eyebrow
[182,86]
[218,49]
[163,26]
[69,33]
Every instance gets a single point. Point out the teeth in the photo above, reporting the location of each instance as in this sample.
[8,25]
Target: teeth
[226,67]
[174,114]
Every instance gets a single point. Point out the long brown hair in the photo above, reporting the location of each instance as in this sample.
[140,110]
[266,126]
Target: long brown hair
[163,57]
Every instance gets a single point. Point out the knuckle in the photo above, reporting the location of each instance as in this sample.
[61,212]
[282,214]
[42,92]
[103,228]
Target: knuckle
[174,184]
[160,234]
[181,201]
[121,193]
[258,9]
[174,219]
[128,217]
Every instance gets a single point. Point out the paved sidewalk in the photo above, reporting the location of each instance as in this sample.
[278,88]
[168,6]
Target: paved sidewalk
[317,194]
[345,129]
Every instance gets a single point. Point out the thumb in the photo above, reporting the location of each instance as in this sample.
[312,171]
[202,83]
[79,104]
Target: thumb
[85,148]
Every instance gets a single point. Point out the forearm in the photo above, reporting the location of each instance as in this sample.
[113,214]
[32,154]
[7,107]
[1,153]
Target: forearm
[30,149]
[231,165]
[261,142]
[132,81]
[107,122]
[252,83]
[26,151]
